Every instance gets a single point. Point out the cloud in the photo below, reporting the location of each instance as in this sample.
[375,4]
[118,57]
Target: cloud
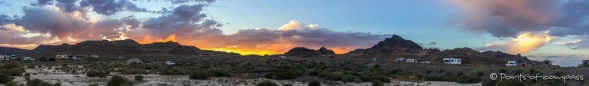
[2,2]
[433,43]
[582,42]
[561,59]
[523,44]
[506,18]
[111,7]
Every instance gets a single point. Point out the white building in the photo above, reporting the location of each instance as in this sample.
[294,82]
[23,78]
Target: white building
[410,61]
[452,61]
[510,63]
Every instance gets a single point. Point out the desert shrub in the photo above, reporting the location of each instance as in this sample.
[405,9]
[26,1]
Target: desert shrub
[10,84]
[511,82]
[502,70]
[395,71]
[377,83]
[468,79]
[333,76]
[37,82]
[441,70]
[314,83]
[4,78]
[95,73]
[92,85]
[287,85]
[460,74]
[322,74]
[488,82]
[138,77]
[315,73]
[348,78]
[559,73]
[266,83]
[357,80]
[27,78]
[376,66]
[27,74]
[57,84]
[427,71]
[16,72]
[375,75]
[518,71]
[200,75]
[480,73]
[281,74]
[438,78]
[119,81]
[220,73]
[447,74]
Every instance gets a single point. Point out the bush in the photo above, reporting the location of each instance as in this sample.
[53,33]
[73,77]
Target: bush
[377,83]
[448,74]
[27,78]
[266,83]
[200,75]
[119,81]
[468,79]
[16,72]
[10,84]
[376,66]
[138,77]
[333,76]
[510,82]
[322,74]
[502,70]
[518,71]
[314,83]
[460,74]
[37,82]
[57,84]
[348,78]
[480,73]
[95,73]
[559,73]
[358,80]
[4,78]
[287,85]
[315,73]
[92,85]
[27,74]
[428,71]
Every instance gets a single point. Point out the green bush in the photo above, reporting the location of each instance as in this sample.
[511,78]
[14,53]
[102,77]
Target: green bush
[348,78]
[95,73]
[333,76]
[518,71]
[488,82]
[16,72]
[117,80]
[376,66]
[10,84]
[27,74]
[480,73]
[4,78]
[266,83]
[200,75]
[281,74]
[27,78]
[322,74]
[559,73]
[315,73]
[314,83]
[511,82]
[447,74]
[93,85]
[377,83]
[460,74]
[468,79]
[138,77]
[37,82]
[502,70]
[57,84]
[358,80]
[427,71]
[395,71]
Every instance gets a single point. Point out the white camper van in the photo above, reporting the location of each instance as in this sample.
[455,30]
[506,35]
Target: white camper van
[61,56]
[27,58]
[510,63]
[410,61]
[400,60]
[452,61]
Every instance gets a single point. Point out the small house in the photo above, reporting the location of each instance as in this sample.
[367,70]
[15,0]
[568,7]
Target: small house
[452,61]
[400,60]
[410,61]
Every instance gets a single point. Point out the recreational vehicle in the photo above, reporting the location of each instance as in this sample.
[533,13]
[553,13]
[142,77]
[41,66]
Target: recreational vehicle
[585,63]
[410,61]
[94,56]
[27,58]
[510,63]
[61,56]
[283,57]
[400,60]
[170,63]
[452,61]
[425,61]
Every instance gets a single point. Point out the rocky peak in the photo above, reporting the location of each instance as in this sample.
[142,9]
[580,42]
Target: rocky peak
[325,51]
[306,52]
[396,42]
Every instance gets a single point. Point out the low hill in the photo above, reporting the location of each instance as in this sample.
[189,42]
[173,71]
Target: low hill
[306,52]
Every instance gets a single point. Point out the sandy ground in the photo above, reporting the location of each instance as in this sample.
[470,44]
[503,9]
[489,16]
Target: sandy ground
[160,80]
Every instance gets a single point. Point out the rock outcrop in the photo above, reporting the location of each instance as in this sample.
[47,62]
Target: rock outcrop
[306,52]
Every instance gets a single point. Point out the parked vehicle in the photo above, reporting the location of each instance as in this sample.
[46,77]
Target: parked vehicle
[425,62]
[451,61]
[411,61]
[170,63]
[400,60]
[511,63]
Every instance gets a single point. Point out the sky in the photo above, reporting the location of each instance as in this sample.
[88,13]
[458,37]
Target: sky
[539,29]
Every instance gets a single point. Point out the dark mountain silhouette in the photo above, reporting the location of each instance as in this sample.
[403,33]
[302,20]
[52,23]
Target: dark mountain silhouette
[305,52]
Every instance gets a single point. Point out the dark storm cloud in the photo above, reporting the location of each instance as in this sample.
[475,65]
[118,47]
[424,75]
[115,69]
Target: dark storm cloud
[572,19]
[183,20]
[110,7]
[5,19]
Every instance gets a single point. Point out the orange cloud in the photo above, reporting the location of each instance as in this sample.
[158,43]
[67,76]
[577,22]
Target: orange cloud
[523,44]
